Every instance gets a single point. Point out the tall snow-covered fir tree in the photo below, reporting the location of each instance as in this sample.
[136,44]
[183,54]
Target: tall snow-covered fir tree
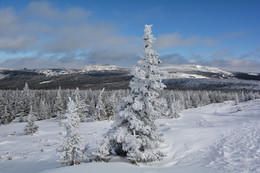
[71,148]
[133,134]
[31,127]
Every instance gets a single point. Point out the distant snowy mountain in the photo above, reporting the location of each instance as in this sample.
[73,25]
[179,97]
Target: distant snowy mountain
[2,76]
[194,67]
[1,68]
[113,77]
[174,71]
[55,72]
[90,68]
[101,68]
[2,72]
[195,71]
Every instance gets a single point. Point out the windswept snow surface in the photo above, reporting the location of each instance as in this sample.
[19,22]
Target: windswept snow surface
[215,138]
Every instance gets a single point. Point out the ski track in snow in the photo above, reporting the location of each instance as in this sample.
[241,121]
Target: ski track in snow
[238,150]
[213,138]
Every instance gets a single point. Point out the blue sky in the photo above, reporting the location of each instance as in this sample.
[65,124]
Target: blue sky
[76,33]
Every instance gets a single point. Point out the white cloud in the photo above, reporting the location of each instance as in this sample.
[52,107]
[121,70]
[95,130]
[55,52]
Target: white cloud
[42,26]
[171,40]
[222,59]
[46,29]
[46,10]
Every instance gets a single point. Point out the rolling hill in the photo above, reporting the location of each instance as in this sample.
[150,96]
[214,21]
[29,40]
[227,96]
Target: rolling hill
[113,77]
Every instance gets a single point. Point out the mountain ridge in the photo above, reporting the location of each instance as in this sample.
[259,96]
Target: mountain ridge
[189,76]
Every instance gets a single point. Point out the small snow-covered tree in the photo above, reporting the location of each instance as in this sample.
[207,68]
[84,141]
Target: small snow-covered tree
[12,105]
[25,102]
[236,99]
[188,103]
[43,112]
[59,107]
[91,110]
[205,100]
[195,100]
[110,103]
[133,134]
[175,108]
[31,127]
[100,109]
[5,117]
[82,107]
[70,148]
[2,109]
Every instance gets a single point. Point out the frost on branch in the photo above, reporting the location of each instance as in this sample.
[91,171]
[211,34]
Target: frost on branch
[133,134]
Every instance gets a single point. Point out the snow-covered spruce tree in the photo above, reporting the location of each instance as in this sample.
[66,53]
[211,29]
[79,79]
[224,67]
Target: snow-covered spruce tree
[91,110]
[133,134]
[43,112]
[100,109]
[82,107]
[70,148]
[25,102]
[5,118]
[2,109]
[110,103]
[205,100]
[31,127]
[236,99]
[174,108]
[58,107]
[13,104]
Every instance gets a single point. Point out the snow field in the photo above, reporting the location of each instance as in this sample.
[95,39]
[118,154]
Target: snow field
[215,138]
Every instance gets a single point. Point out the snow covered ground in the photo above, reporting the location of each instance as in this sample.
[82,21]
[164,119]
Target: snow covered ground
[214,138]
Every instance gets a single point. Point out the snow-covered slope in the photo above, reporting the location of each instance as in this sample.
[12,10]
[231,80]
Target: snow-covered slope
[195,71]
[55,72]
[215,138]
[174,75]
[2,76]
[90,68]
[100,68]
[193,67]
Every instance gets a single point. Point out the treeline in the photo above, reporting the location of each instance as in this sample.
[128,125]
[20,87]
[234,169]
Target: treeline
[97,105]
